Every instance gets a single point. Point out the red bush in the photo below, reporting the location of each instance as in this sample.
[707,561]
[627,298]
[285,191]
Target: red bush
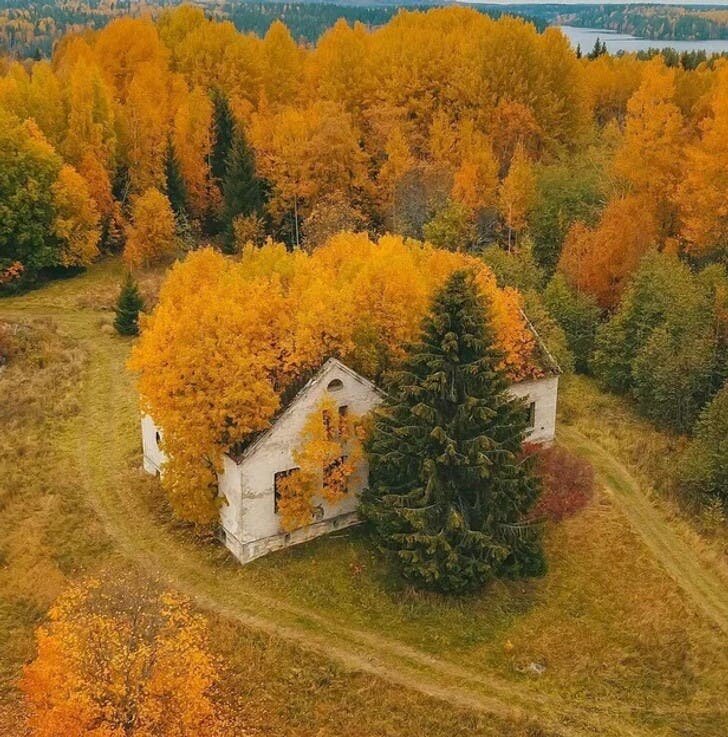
[567,483]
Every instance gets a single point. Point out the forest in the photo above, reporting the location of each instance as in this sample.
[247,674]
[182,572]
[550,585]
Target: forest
[645,20]
[194,217]
[595,186]
[31,28]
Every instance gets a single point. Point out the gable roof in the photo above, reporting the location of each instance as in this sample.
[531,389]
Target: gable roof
[325,368]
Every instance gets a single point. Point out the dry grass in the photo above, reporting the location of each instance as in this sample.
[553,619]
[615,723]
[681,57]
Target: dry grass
[50,533]
[652,457]
[46,533]
[613,631]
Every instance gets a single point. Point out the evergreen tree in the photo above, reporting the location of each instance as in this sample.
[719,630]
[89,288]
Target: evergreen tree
[703,470]
[127,309]
[578,314]
[448,492]
[241,188]
[224,131]
[176,192]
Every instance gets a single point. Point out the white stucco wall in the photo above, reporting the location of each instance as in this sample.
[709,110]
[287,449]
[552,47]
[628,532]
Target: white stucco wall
[153,457]
[544,392]
[249,520]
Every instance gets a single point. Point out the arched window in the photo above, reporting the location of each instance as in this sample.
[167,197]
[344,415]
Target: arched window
[335,385]
[158,437]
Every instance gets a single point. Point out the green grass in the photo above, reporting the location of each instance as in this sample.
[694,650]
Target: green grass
[623,646]
[51,532]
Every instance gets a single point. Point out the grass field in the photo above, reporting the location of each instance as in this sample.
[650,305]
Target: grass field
[320,639]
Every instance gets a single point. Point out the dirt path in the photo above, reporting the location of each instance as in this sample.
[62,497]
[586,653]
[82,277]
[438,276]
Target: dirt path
[702,586]
[104,442]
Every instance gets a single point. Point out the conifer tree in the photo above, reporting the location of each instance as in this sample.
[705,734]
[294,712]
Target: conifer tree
[241,189]
[448,494]
[176,193]
[224,130]
[127,309]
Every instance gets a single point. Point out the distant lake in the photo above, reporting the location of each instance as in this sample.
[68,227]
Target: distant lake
[624,42]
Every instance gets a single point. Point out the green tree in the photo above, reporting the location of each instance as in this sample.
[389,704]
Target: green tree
[224,131]
[128,306]
[665,345]
[673,373]
[704,466]
[578,314]
[241,189]
[515,268]
[29,168]
[660,285]
[176,191]
[451,227]
[448,493]
[567,191]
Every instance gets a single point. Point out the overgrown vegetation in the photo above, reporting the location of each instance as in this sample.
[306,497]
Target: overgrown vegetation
[52,535]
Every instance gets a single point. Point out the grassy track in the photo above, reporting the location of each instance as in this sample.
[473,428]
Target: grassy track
[102,445]
[702,586]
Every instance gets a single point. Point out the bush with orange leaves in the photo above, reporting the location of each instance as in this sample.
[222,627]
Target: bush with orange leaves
[228,338]
[329,453]
[122,657]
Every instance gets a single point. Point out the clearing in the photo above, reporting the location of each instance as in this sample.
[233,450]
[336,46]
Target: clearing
[629,623]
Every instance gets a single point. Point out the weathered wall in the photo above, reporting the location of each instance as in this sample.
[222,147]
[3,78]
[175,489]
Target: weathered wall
[251,527]
[544,392]
[153,457]
[250,521]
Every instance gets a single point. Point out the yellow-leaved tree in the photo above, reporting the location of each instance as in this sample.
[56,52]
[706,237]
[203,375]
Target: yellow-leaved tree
[517,194]
[328,454]
[703,191]
[76,223]
[122,657]
[151,235]
[228,339]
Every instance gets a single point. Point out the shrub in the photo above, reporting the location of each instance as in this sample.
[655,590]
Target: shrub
[567,482]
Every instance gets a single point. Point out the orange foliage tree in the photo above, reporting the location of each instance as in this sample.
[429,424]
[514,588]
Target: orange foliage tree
[151,234]
[77,219]
[703,192]
[517,194]
[122,657]
[598,261]
[328,455]
[650,157]
[228,338]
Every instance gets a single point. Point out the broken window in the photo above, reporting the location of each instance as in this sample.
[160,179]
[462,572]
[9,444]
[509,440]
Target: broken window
[279,479]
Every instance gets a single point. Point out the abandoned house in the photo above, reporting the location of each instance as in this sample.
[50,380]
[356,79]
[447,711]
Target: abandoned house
[249,483]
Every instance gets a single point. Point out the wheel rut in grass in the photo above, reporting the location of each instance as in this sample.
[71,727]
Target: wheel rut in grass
[702,586]
[99,441]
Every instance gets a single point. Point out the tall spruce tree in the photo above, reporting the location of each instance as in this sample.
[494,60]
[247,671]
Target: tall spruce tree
[449,492]
[128,307]
[224,129]
[241,189]
[175,185]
